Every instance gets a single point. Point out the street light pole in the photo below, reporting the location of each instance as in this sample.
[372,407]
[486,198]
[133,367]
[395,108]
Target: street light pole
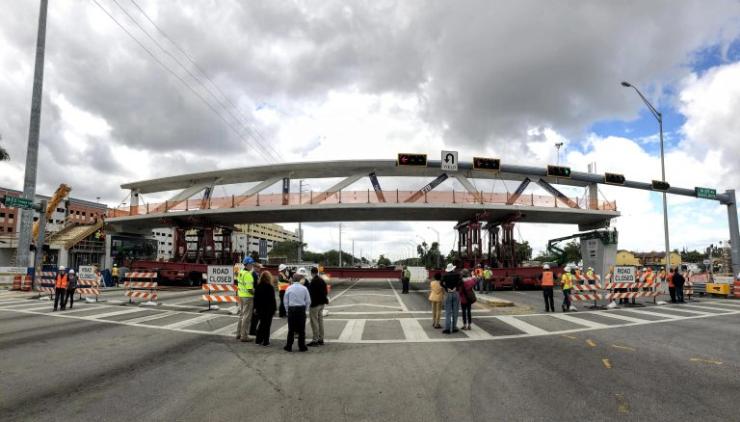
[659,117]
[32,151]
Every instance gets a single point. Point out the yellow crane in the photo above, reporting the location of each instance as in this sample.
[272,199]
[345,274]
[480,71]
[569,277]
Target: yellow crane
[61,192]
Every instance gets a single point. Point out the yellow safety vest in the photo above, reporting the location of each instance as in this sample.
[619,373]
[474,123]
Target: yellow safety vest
[245,284]
[567,280]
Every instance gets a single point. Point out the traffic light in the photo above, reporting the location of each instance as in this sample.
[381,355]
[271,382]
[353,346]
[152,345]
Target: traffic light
[614,179]
[661,186]
[558,171]
[412,160]
[481,163]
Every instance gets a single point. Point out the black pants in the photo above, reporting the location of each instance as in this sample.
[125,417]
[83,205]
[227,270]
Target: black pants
[264,322]
[253,323]
[405,285]
[466,311]
[679,292]
[549,300]
[566,299]
[672,293]
[59,296]
[282,312]
[70,297]
[297,325]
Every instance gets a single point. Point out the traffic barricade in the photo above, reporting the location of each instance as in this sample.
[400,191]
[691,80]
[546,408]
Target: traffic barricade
[47,283]
[21,282]
[135,286]
[87,287]
[634,290]
[212,289]
[587,292]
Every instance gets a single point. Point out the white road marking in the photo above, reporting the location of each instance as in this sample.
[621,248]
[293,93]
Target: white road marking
[521,325]
[190,322]
[352,332]
[148,318]
[365,304]
[688,311]
[368,294]
[579,321]
[711,308]
[16,301]
[477,333]
[280,332]
[657,314]
[622,317]
[114,313]
[86,308]
[229,330]
[333,298]
[722,303]
[400,302]
[412,330]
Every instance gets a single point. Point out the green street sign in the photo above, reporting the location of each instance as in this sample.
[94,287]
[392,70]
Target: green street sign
[705,193]
[16,202]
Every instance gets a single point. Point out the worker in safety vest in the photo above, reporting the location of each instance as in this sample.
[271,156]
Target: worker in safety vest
[245,291]
[405,280]
[566,280]
[283,284]
[478,275]
[487,279]
[60,288]
[548,282]
[671,287]
[590,276]
[114,274]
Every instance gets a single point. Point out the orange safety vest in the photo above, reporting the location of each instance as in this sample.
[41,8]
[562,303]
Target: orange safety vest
[547,279]
[61,281]
[649,277]
[670,280]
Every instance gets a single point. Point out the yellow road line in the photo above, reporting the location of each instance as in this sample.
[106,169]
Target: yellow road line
[622,405]
[616,346]
[590,343]
[606,363]
[714,362]
[570,337]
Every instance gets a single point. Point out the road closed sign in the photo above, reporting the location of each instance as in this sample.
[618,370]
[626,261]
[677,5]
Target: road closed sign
[624,274]
[86,272]
[220,274]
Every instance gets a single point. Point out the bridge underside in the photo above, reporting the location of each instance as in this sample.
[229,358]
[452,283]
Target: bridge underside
[586,219]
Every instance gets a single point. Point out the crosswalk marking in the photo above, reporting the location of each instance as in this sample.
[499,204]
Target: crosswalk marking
[709,308]
[353,330]
[657,314]
[724,303]
[412,329]
[191,321]
[280,332]
[621,317]
[688,311]
[148,318]
[229,330]
[579,321]
[521,325]
[83,309]
[477,333]
[115,313]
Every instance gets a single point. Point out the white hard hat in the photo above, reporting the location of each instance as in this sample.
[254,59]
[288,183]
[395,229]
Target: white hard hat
[71,271]
[61,268]
[282,267]
[450,268]
[302,271]
[546,267]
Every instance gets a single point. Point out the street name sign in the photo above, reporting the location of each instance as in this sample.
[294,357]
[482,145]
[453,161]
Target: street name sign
[449,160]
[624,274]
[220,274]
[17,202]
[705,193]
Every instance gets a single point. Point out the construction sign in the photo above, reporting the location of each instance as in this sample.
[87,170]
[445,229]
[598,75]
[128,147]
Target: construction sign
[86,272]
[625,274]
[220,274]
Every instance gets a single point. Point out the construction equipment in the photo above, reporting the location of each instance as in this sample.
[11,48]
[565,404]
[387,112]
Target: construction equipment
[61,193]
[606,237]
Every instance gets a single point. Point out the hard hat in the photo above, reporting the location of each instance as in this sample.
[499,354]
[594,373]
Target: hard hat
[115,265]
[302,271]
[590,269]
[282,267]
[71,271]
[248,261]
[450,268]
[545,267]
[61,268]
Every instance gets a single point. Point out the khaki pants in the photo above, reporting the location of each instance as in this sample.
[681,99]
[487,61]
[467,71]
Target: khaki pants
[317,322]
[246,308]
[436,312]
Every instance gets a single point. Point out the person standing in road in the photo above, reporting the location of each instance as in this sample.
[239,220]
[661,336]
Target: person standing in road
[114,274]
[71,287]
[467,298]
[451,281]
[60,288]
[264,307]
[678,281]
[671,286]
[283,284]
[548,283]
[436,296]
[487,280]
[297,301]
[245,291]
[319,299]
[566,280]
[405,280]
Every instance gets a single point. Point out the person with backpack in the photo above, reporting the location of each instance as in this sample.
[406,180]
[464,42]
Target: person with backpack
[71,287]
[467,298]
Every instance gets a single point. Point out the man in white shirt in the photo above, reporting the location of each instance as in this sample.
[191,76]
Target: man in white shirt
[297,301]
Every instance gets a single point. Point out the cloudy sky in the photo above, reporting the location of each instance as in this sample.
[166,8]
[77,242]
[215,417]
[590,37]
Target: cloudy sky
[182,86]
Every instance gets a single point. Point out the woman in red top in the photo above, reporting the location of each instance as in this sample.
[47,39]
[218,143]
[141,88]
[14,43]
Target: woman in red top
[467,298]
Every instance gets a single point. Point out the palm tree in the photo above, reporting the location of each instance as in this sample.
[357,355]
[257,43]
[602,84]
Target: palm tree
[3,153]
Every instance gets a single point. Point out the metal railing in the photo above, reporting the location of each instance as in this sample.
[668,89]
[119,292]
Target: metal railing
[357,197]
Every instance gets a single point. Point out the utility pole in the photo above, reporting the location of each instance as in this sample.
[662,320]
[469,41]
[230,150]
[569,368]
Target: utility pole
[300,229]
[32,152]
[353,252]
[340,245]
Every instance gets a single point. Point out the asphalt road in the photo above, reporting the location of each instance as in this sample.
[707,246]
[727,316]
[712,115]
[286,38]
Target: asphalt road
[70,368]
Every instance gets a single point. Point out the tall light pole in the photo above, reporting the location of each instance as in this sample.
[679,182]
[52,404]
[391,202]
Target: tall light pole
[659,117]
[32,152]
[558,145]
[439,246]
[340,245]
[300,227]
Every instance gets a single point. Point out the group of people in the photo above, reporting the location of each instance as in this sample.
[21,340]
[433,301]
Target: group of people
[567,280]
[452,291]
[65,285]
[298,295]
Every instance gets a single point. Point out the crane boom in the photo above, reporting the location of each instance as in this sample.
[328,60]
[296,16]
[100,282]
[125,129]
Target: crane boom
[61,192]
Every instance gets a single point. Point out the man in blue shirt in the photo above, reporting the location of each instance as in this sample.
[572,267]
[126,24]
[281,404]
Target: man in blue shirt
[297,301]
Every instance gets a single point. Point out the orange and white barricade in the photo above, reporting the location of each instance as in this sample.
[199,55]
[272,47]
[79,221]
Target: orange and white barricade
[212,289]
[47,283]
[141,289]
[88,288]
[635,290]
[587,292]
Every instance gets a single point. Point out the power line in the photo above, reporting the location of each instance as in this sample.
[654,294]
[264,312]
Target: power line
[187,85]
[203,73]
